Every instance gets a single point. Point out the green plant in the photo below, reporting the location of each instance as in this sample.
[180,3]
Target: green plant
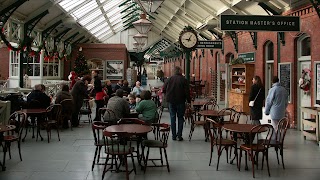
[237,61]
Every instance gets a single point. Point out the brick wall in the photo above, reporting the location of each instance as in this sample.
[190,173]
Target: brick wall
[4,59]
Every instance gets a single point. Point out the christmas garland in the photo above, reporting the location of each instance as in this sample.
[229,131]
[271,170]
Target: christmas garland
[305,80]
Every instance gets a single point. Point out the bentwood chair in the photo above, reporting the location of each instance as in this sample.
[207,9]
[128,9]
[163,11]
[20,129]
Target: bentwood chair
[66,112]
[253,149]
[99,140]
[161,142]
[116,149]
[280,135]
[215,132]
[53,119]
[19,120]
[85,110]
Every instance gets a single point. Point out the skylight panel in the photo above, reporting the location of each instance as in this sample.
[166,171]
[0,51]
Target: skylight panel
[102,33]
[116,26]
[90,17]
[116,21]
[86,8]
[96,22]
[113,12]
[99,27]
[72,4]
[112,4]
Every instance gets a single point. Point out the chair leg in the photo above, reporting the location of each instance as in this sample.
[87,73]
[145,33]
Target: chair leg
[252,162]
[9,148]
[105,167]
[211,151]
[267,161]
[19,149]
[263,157]
[165,154]
[99,152]
[227,154]
[219,154]
[239,163]
[281,154]
[134,166]
[48,133]
[94,159]
[191,131]
[146,162]
[58,132]
[161,159]
[126,163]
[246,162]
[276,149]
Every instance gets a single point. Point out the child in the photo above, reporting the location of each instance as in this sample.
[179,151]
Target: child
[132,101]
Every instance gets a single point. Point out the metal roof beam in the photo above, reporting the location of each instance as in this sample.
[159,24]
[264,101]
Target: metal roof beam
[106,17]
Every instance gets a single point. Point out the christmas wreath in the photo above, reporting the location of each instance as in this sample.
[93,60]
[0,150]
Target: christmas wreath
[305,80]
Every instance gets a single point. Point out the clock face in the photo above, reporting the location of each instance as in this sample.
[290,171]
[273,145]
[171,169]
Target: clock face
[188,39]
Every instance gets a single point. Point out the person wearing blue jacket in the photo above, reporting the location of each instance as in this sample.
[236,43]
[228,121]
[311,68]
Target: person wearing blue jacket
[276,103]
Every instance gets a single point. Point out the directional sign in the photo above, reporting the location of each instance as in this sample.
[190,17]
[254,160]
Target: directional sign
[210,45]
[259,23]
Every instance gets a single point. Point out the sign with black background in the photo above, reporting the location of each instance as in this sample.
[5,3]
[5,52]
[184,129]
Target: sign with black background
[284,75]
[259,23]
[210,45]
[247,57]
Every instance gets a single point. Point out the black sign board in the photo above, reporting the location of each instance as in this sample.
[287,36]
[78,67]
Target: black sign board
[285,77]
[259,23]
[209,45]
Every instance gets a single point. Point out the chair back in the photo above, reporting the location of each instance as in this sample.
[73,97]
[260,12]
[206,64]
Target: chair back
[97,130]
[131,121]
[34,104]
[85,109]
[210,105]
[118,143]
[159,111]
[53,112]
[237,108]
[162,131]
[17,119]
[234,116]
[282,129]
[267,131]
[213,126]
[67,107]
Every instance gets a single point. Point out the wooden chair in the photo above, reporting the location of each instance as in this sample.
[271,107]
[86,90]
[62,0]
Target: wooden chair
[99,140]
[280,135]
[159,111]
[33,104]
[131,121]
[66,111]
[19,120]
[85,110]
[215,132]
[115,149]
[161,142]
[53,119]
[253,149]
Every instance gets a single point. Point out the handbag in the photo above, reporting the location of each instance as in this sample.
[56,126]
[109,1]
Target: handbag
[251,103]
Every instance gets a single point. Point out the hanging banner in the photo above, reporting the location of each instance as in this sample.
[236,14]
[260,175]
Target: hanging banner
[114,69]
[209,45]
[259,23]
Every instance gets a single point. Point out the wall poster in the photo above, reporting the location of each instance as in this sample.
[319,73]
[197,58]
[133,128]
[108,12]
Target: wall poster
[284,75]
[115,69]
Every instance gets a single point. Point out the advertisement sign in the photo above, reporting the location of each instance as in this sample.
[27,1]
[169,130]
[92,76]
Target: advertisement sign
[247,57]
[156,59]
[259,23]
[114,69]
[209,45]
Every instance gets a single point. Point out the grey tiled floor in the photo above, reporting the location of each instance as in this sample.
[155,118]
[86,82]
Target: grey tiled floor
[71,158]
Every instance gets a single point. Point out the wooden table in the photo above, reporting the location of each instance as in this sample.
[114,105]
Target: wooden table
[34,112]
[129,128]
[3,129]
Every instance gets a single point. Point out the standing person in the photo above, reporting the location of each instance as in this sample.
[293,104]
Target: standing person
[99,93]
[177,93]
[276,103]
[257,95]
[79,92]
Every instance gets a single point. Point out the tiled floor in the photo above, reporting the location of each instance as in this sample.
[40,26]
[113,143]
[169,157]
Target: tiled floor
[71,158]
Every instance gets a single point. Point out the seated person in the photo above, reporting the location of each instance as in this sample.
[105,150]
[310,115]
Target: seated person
[66,107]
[119,106]
[38,94]
[146,107]
[108,88]
[137,89]
[118,85]
[132,101]
[126,87]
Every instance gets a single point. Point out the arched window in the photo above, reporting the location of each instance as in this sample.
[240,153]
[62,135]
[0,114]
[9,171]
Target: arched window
[229,57]
[269,51]
[304,47]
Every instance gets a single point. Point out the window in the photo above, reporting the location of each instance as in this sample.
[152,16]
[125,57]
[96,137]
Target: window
[51,67]
[31,66]
[269,51]
[14,60]
[305,47]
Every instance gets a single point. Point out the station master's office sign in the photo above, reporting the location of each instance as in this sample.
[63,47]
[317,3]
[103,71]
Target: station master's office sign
[259,23]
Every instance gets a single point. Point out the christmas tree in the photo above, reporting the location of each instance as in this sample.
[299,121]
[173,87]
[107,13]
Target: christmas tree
[80,65]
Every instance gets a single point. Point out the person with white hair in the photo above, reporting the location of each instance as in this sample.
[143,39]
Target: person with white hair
[137,89]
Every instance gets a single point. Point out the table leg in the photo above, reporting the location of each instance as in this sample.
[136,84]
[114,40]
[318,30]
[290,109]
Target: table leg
[3,164]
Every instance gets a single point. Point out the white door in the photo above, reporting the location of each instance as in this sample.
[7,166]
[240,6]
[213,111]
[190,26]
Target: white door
[222,79]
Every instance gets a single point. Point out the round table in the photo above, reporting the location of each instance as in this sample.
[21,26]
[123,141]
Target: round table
[34,112]
[129,128]
[4,128]
[239,128]
[213,113]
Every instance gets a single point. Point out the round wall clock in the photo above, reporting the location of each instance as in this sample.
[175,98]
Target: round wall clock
[188,39]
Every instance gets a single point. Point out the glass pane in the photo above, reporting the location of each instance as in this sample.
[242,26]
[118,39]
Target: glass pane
[85,9]
[56,70]
[100,27]
[305,47]
[102,31]
[45,70]
[90,17]
[50,73]
[37,70]
[270,51]
[95,23]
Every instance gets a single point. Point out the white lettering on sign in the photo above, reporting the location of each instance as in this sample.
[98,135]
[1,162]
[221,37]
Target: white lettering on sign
[237,22]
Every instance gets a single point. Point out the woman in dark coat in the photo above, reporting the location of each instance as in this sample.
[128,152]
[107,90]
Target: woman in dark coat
[257,95]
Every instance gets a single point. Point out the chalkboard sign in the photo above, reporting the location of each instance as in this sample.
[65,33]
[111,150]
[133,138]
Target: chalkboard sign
[284,74]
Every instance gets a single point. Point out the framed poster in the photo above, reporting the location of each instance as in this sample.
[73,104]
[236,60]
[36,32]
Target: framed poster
[115,69]
[284,74]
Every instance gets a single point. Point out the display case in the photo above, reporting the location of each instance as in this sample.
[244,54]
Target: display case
[310,123]
[240,83]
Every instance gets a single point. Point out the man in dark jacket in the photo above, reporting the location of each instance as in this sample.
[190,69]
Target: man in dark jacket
[98,91]
[38,95]
[79,92]
[177,93]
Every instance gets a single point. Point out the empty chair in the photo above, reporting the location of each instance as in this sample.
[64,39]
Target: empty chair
[99,140]
[161,142]
[253,149]
[85,110]
[215,133]
[19,120]
[280,135]
[53,119]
